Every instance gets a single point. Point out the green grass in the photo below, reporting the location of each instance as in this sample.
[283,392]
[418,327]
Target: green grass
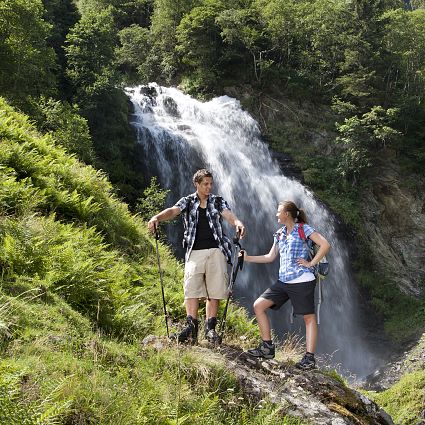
[405,400]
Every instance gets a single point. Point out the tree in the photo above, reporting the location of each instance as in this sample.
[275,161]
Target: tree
[361,136]
[90,52]
[162,60]
[27,63]
[200,45]
[152,201]
[61,15]
[132,54]
[243,29]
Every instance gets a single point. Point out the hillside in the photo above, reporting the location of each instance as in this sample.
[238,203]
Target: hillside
[79,293]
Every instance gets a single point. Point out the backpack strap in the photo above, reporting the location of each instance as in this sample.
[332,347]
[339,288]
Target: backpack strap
[301,232]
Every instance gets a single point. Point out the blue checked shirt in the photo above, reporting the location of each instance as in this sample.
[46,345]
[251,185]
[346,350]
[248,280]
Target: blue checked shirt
[215,205]
[290,248]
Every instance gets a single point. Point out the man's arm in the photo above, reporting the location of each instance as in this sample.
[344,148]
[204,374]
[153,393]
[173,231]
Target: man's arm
[234,221]
[165,215]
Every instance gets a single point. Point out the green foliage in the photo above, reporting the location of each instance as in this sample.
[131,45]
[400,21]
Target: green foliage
[133,52]
[360,137]
[404,400]
[153,200]
[162,62]
[403,316]
[61,15]
[199,44]
[89,50]
[66,126]
[242,30]
[68,188]
[27,61]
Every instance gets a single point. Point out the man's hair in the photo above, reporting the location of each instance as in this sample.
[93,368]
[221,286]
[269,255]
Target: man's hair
[200,175]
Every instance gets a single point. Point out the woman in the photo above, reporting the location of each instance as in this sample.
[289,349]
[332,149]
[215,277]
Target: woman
[296,280]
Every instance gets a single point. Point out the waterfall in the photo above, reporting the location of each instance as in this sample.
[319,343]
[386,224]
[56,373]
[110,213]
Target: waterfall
[180,135]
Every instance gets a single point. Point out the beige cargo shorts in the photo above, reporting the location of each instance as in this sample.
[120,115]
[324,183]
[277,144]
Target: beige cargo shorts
[205,275]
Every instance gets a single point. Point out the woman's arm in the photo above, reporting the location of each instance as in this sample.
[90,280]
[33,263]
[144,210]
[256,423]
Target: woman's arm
[324,248]
[266,258]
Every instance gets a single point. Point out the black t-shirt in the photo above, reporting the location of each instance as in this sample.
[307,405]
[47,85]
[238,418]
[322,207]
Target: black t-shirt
[204,236]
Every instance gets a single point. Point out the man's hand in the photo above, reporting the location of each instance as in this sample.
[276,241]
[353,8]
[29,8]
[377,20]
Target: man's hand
[153,224]
[240,228]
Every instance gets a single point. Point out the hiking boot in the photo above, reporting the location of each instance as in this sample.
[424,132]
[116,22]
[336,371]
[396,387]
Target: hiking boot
[264,350]
[190,332]
[210,333]
[307,362]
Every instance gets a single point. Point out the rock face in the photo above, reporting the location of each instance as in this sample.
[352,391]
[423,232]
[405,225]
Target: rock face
[394,217]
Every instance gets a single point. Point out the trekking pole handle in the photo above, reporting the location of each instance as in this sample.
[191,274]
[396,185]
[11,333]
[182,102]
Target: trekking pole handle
[241,258]
[155,227]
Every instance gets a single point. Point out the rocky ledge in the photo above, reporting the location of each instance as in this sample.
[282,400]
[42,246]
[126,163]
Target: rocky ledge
[314,396]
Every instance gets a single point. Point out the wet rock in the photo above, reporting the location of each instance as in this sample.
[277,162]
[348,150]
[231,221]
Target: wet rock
[148,91]
[171,107]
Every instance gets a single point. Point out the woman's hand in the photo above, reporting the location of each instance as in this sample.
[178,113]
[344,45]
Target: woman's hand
[304,263]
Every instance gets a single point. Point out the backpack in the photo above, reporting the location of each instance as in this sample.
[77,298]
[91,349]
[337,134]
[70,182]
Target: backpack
[322,268]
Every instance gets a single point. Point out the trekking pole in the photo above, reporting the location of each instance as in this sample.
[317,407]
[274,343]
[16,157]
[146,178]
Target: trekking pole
[162,283]
[236,266]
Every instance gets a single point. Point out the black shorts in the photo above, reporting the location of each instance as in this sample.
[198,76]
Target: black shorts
[301,295]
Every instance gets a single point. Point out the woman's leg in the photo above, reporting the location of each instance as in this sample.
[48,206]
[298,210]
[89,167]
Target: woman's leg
[310,332]
[261,305]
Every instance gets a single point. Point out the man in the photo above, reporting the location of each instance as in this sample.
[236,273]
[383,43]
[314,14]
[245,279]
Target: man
[208,251]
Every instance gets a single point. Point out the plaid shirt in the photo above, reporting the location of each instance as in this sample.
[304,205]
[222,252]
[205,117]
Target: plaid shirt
[291,247]
[215,205]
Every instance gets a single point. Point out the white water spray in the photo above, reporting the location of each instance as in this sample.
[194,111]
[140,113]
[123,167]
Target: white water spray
[180,135]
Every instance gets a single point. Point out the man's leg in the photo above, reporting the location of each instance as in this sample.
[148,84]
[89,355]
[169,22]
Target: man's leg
[192,307]
[193,290]
[211,307]
[216,287]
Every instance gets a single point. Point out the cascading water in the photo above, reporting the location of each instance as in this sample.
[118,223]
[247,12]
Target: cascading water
[179,136]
